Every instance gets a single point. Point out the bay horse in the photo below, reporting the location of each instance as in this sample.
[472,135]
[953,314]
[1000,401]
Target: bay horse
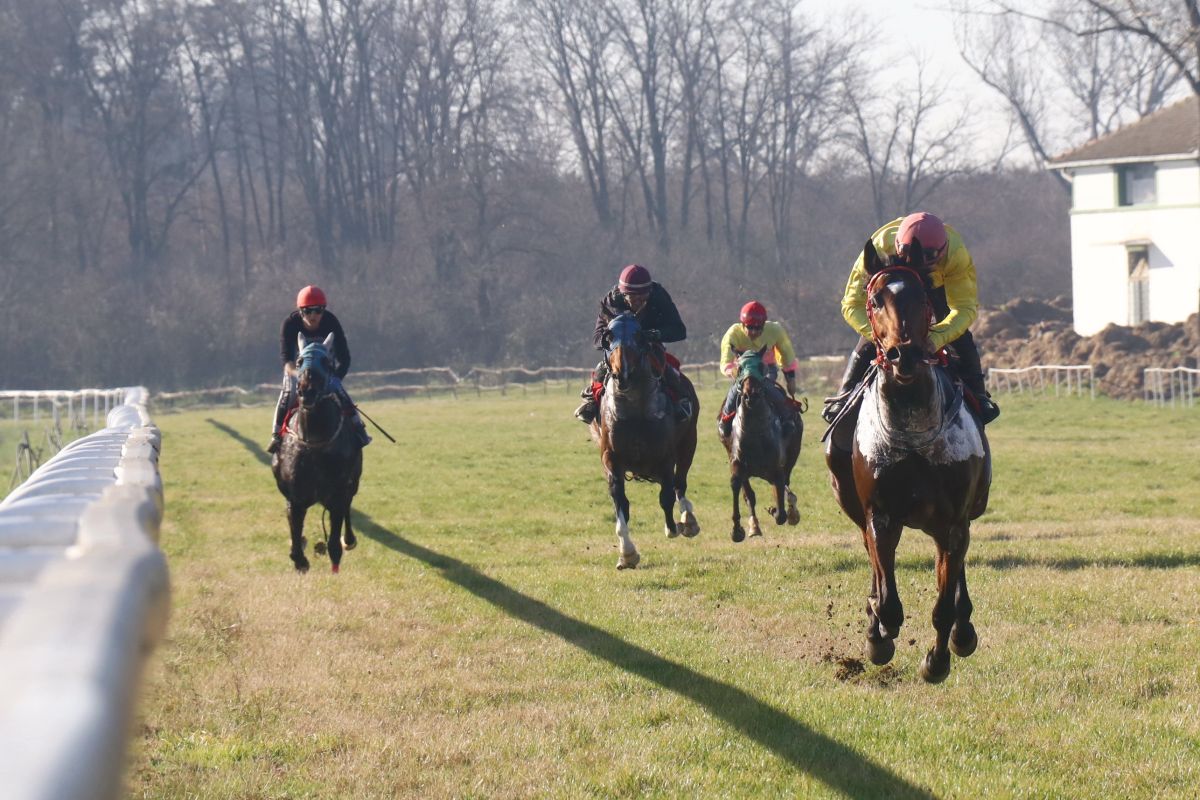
[320,458]
[757,447]
[638,434]
[918,459]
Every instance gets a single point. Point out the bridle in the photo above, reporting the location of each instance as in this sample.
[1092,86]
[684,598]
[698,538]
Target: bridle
[881,360]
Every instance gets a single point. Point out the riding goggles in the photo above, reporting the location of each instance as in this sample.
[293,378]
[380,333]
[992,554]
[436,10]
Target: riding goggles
[310,310]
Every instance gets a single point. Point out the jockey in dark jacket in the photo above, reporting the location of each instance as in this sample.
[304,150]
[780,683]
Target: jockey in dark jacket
[315,322]
[647,300]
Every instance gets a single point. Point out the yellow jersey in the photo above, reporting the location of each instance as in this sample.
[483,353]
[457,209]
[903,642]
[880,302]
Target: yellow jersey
[779,347]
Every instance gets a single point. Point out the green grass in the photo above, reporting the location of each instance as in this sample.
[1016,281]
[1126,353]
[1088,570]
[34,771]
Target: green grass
[480,643]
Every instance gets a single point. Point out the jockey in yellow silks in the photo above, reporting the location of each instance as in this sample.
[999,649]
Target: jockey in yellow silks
[755,332]
[952,289]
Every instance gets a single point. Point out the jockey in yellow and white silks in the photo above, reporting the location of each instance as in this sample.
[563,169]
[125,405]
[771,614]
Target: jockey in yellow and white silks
[952,288]
[755,332]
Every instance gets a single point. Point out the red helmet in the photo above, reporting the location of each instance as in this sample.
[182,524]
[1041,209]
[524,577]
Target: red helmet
[635,279]
[754,313]
[925,228]
[310,296]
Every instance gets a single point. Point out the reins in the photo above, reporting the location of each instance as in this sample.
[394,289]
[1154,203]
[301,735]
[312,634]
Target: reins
[880,355]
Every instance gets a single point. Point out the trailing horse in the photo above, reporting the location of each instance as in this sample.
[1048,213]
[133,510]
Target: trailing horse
[320,459]
[758,448]
[911,456]
[638,434]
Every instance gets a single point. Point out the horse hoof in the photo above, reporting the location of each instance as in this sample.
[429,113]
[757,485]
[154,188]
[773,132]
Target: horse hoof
[671,530]
[349,541]
[934,669]
[755,530]
[880,651]
[335,569]
[320,548]
[963,639]
[301,564]
[629,560]
[738,534]
[793,513]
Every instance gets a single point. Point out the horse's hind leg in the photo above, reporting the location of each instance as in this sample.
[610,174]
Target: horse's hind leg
[349,540]
[666,500]
[689,526]
[951,553]
[296,524]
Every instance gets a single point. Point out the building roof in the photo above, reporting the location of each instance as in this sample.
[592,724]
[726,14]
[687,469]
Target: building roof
[1173,131]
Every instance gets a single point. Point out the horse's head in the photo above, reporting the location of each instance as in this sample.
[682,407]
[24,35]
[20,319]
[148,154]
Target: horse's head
[315,365]
[751,375]
[625,349]
[899,312]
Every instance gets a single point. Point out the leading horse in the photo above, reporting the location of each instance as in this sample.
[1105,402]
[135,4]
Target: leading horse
[916,458]
[639,435]
[320,459]
[758,448]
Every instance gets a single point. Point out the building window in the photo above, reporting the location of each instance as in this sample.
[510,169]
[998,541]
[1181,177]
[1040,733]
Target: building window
[1139,283]
[1136,185]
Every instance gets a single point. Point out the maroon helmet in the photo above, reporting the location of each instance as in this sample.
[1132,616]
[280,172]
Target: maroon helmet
[635,279]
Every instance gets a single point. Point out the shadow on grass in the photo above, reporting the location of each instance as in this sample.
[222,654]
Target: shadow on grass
[825,759]
[250,445]
[1072,563]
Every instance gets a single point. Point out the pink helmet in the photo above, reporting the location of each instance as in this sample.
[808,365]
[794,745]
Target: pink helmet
[635,279]
[925,228]
[754,313]
[310,296]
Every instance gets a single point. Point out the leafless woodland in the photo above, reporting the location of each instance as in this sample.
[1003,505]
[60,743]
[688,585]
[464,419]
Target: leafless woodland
[466,177]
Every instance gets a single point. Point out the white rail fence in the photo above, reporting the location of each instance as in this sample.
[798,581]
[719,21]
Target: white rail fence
[76,405]
[83,600]
[433,381]
[1167,386]
[1065,379]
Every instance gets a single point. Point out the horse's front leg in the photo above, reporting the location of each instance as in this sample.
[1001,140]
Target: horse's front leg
[963,638]
[885,613]
[735,483]
[752,502]
[666,501]
[337,514]
[295,515]
[952,549]
[616,490]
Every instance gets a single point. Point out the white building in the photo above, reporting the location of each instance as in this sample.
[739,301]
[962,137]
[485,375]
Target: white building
[1135,221]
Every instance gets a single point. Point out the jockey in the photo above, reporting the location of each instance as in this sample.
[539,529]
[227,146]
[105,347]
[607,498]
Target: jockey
[656,312]
[754,332]
[951,286]
[313,320]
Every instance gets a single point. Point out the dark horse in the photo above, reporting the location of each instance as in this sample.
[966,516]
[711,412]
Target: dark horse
[918,459]
[320,460]
[638,434]
[758,449]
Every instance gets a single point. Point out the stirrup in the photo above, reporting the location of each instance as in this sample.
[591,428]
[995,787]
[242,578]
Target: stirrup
[586,413]
[683,410]
[833,407]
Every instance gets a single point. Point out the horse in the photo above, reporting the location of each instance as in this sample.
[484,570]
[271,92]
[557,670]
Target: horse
[638,434]
[918,459]
[320,459]
[757,447]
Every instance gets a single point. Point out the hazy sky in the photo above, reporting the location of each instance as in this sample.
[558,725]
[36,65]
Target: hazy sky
[896,22]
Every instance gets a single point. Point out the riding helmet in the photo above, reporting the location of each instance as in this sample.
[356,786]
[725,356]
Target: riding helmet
[924,227]
[635,279]
[310,296]
[754,313]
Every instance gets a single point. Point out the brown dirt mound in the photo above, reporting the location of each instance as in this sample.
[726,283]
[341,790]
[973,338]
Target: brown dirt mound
[1024,333]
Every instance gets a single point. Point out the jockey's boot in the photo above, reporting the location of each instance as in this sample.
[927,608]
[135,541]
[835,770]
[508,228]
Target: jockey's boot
[586,413]
[681,404]
[281,408]
[683,409]
[856,369]
[971,372]
[276,441]
[360,428]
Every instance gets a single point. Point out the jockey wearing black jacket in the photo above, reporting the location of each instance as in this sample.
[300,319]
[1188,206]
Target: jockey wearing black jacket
[315,322]
[647,300]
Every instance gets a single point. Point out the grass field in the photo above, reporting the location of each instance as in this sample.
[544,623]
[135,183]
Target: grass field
[479,642]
